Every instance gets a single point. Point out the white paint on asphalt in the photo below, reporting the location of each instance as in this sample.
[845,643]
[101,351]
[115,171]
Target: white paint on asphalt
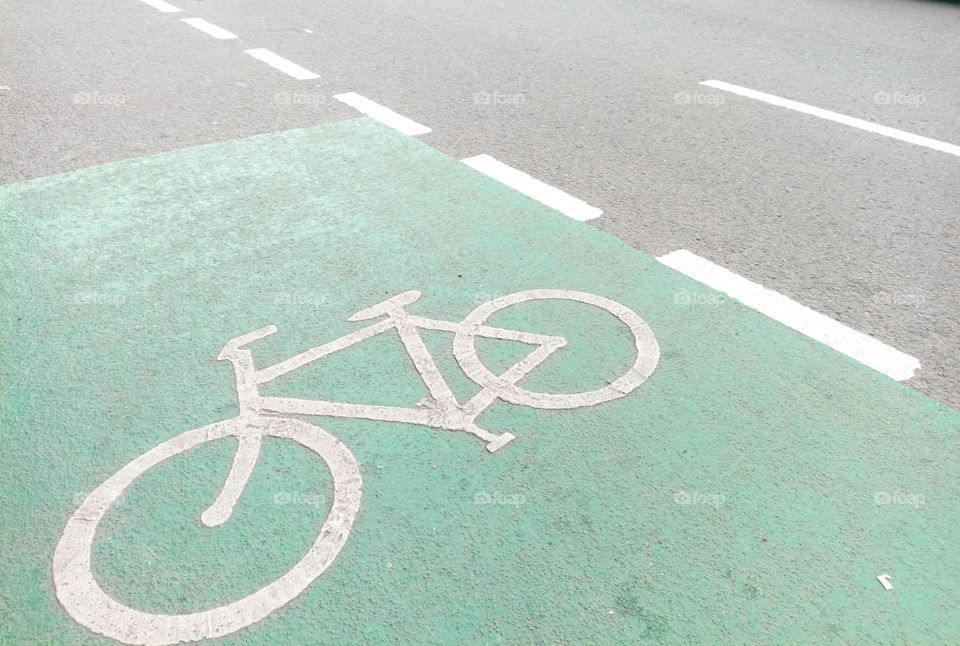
[210,29]
[74,576]
[869,126]
[280,63]
[863,348]
[382,114]
[245,459]
[160,5]
[82,597]
[534,188]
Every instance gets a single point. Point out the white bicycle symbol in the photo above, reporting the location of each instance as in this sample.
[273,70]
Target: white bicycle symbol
[89,605]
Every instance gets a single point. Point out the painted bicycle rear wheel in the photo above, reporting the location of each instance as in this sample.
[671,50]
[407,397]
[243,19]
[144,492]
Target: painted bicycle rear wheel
[85,601]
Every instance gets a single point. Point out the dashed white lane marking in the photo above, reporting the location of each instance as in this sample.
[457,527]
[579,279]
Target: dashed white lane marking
[280,63]
[382,114]
[869,126]
[534,188]
[160,5]
[863,348]
[210,29]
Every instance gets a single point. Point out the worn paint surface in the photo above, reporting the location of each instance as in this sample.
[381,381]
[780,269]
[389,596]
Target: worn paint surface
[752,489]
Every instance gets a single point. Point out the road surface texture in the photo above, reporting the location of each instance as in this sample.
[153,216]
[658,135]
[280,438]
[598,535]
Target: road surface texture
[599,99]
[752,487]
[174,175]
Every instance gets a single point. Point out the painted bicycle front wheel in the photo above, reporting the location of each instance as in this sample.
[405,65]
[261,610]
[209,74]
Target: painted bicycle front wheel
[647,348]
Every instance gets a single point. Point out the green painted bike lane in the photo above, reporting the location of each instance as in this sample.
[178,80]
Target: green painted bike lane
[751,490]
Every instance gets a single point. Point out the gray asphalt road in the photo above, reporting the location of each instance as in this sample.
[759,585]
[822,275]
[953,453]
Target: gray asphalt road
[600,99]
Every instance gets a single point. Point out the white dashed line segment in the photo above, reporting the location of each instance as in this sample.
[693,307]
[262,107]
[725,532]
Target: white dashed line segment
[869,126]
[160,5]
[531,187]
[865,349]
[210,29]
[382,114]
[280,63]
